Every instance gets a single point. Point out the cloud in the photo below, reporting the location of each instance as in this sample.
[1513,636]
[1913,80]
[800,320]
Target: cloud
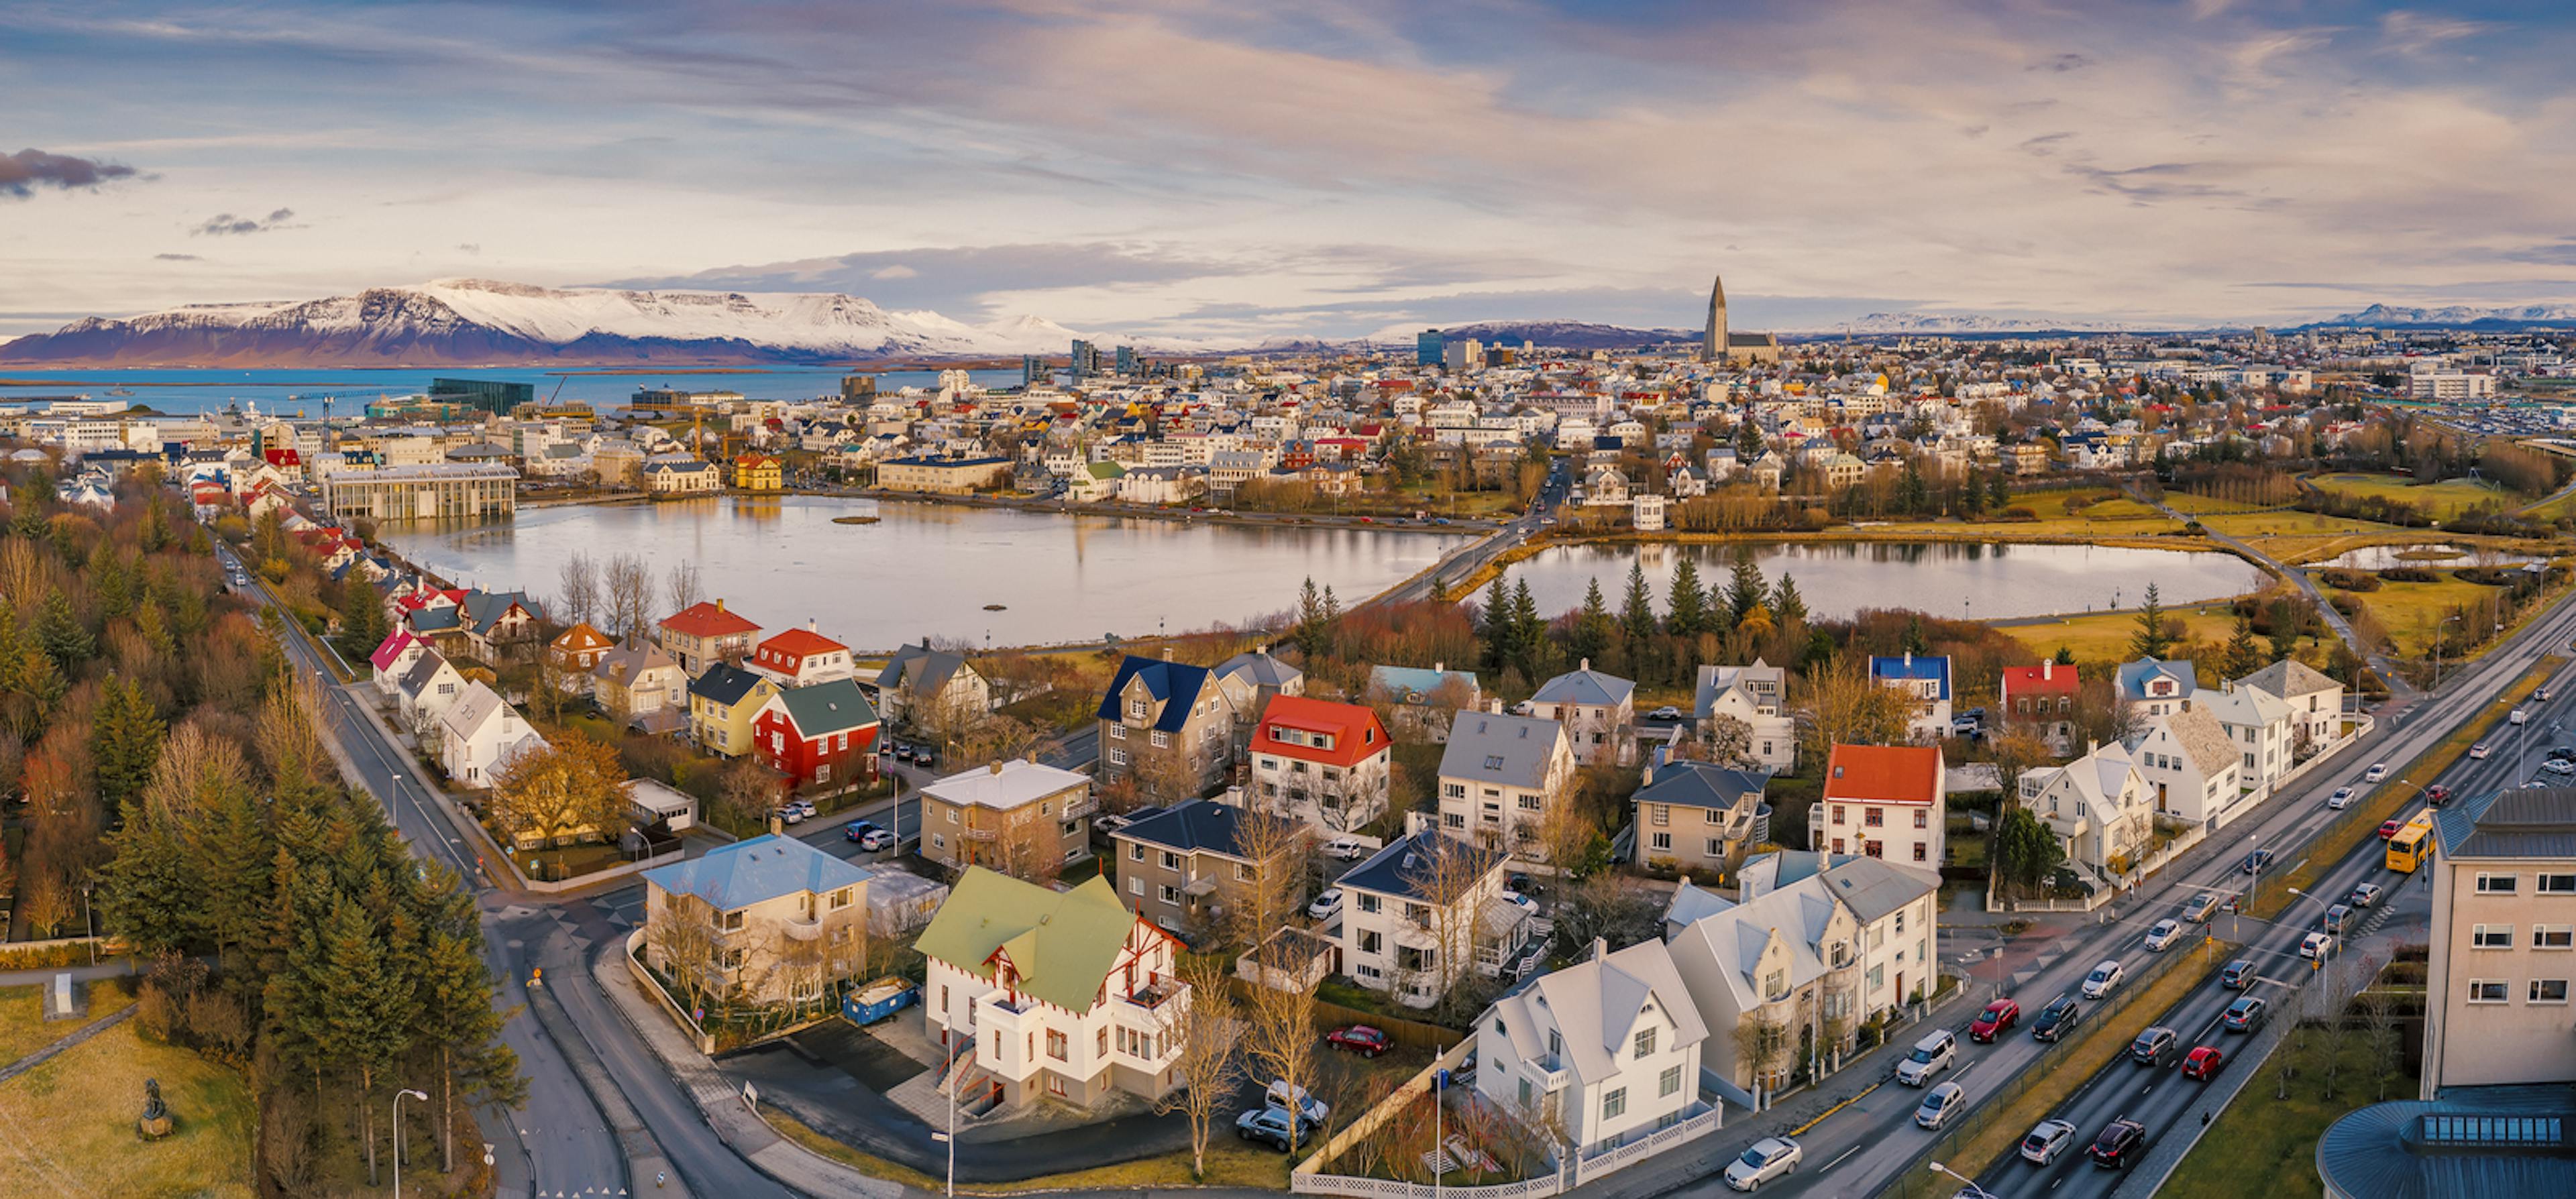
[225,224]
[25,171]
[2407,32]
[955,280]
[896,271]
[469,247]
[178,258]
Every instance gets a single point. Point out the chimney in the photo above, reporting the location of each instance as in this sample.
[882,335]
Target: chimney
[1600,949]
[1909,659]
[809,625]
[2047,668]
[1494,704]
[1439,668]
[777,824]
[719,603]
[1585,666]
[1167,652]
[996,767]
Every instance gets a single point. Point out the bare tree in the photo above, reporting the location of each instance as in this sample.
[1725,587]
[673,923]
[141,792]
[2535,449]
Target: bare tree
[578,577]
[626,597]
[1445,880]
[1279,1037]
[1206,1070]
[684,938]
[1762,1046]
[683,586]
[2379,1020]
[1853,709]
[1277,849]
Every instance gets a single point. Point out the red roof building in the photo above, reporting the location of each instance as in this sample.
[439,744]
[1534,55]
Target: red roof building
[1884,801]
[1320,762]
[801,658]
[705,633]
[822,736]
[2040,700]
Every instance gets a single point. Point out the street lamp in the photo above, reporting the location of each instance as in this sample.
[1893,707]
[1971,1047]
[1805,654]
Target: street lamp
[398,1137]
[1982,1193]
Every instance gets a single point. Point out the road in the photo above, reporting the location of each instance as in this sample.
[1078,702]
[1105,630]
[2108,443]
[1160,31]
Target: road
[1472,558]
[2397,683]
[1870,1143]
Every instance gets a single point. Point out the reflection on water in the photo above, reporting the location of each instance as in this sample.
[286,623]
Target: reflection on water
[1975,580]
[929,569]
[2389,557]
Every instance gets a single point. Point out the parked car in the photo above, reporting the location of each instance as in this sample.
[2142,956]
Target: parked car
[2365,895]
[1937,1051]
[1523,902]
[2558,766]
[1667,712]
[1326,905]
[2257,861]
[2047,1139]
[2162,936]
[2202,1062]
[2377,772]
[1943,1102]
[858,830]
[1271,1125]
[2201,907]
[2104,979]
[1525,885]
[2316,945]
[2246,1014]
[2238,975]
[878,841]
[1286,1095]
[1345,848]
[2119,1144]
[2341,799]
[791,814]
[2153,1046]
[1769,1158]
[801,806]
[1359,1039]
[2388,828]
[2061,1014]
[1998,1016]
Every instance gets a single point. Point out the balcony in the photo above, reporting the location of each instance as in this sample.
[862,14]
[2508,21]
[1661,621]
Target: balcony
[976,832]
[1075,809]
[1155,994]
[803,928]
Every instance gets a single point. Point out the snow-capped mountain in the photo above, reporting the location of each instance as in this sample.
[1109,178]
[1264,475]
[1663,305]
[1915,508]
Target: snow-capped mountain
[474,321]
[1555,335]
[2389,316]
[1967,322]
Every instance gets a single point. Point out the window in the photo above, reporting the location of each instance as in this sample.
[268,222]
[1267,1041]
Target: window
[952,815]
[1454,819]
[1670,1082]
[1368,902]
[1661,813]
[1136,886]
[1775,984]
[1136,709]
[1170,894]
[732,921]
[1161,739]
[2491,936]
[1055,1044]
[2555,884]
[1716,848]
[1663,840]
[2549,990]
[2496,884]
[1369,941]
[939,840]
[1171,861]
[1242,872]
[2553,936]
[1923,820]
[1117,756]
[1135,852]
[1900,922]
[841,898]
[1117,732]
[1454,790]
[1103,1042]
[1922,852]
[1875,849]
[1614,1104]
[1874,817]
[1645,1041]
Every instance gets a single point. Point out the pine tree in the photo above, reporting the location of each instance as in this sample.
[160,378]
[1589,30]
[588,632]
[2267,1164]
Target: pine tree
[2243,658]
[1787,606]
[60,631]
[1497,632]
[1748,440]
[1637,610]
[2150,640]
[2285,629]
[362,619]
[1744,592]
[124,741]
[1592,629]
[1686,605]
[1998,492]
[362,1001]
[457,1025]
[145,895]
[1916,641]
[2065,656]
[1529,631]
[1309,632]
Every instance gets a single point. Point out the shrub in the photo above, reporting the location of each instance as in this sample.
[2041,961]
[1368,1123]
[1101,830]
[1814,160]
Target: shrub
[2350,580]
[2409,574]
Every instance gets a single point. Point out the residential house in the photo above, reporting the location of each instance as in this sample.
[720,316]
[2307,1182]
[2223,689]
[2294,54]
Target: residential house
[1186,866]
[2315,701]
[2503,955]
[424,694]
[500,626]
[722,703]
[1016,816]
[1607,1049]
[394,656]
[2193,770]
[1166,725]
[1324,764]
[1426,702]
[681,477]
[1882,801]
[820,736]
[1423,911]
[2259,724]
[801,658]
[480,735]
[1699,817]
[1505,781]
[2039,701]
[1599,712]
[1926,681]
[1749,696]
[574,654]
[1066,995]
[1250,680]
[2101,808]
[921,686]
[772,919]
[758,472]
[2153,687]
[643,687]
[705,632]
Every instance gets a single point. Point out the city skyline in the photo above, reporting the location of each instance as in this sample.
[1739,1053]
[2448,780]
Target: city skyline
[1332,171]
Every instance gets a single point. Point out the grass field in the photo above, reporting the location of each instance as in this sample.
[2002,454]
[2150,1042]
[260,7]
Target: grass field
[2265,1145]
[2201,505]
[2412,611]
[2554,509]
[22,1026]
[2290,524]
[69,1124]
[2104,636]
[2441,501]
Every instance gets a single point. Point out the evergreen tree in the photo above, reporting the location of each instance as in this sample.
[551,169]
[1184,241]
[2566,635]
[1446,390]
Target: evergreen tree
[1787,606]
[1529,632]
[1637,610]
[1748,440]
[1589,636]
[60,631]
[145,895]
[155,629]
[363,1003]
[1745,591]
[13,647]
[2285,629]
[456,1022]
[124,740]
[2150,641]
[1916,641]
[1686,606]
[1998,492]
[1912,493]
[1309,633]
[362,619]
[2065,656]
[27,506]
[2243,658]
[1497,632]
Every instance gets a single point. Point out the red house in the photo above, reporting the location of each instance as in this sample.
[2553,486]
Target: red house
[2040,700]
[824,735]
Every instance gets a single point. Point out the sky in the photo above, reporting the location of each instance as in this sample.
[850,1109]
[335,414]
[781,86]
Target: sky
[1320,168]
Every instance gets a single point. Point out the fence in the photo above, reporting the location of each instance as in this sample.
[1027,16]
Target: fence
[653,986]
[1374,1118]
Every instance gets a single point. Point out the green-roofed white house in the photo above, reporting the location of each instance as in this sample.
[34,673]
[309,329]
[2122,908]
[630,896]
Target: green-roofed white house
[1063,995]
[768,920]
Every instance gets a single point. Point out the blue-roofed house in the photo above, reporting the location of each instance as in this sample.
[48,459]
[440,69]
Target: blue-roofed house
[2152,687]
[1421,912]
[1926,680]
[772,917]
[1425,701]
[1167,726]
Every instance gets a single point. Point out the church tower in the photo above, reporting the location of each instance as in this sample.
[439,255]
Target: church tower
[1713,341]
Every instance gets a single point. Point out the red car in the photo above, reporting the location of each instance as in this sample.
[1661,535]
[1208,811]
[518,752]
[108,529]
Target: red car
[1998,1016]
[2389,828]
[2437,795]
[1359,1039]
[2203,1062]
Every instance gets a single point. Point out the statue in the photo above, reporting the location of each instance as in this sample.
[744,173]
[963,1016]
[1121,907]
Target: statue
[157,1122]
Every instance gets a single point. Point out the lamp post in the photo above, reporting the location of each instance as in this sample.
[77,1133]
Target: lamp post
[1982,1193]
[422,1096]
[88,924]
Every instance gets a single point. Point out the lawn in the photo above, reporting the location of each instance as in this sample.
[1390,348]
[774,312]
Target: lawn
[2265,1145]
[2441,501]
[2104,636]
[2199,505]
[1231,1162]
[22,1026]
[2411,611]
[2289,524]
[71,1121]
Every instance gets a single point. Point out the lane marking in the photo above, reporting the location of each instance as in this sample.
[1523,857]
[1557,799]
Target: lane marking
[1840,1160]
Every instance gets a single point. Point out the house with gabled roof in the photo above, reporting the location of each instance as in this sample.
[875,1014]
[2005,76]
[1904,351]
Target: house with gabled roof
[2101,808]
[643,687]
[776,919]
[1321,763]
[722,703]
[392,657]
[2040,701]
[1697,815]
[480,735]
[2153,687]
[500,625]
[1608,1049]
[1883,801]
[1502,778]
[2315,702]
[921,685]
[706,632]
[1426,701]
[574,653]
[1421,912]
[1751,696]
[1598,710]
[820,736]
[1926,681]
[2192,768]
[801,658]
[1166,725]
[1063,995]
[424,692]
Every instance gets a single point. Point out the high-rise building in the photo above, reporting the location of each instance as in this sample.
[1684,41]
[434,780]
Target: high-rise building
[1127,360]
[482,395]
[858,387]
[1034,370]
[1086,359]
[1464,355]
[1428,347]
[1712,344]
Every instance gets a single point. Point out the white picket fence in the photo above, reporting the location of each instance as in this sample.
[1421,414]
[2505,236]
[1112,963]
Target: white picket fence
[1583,1169]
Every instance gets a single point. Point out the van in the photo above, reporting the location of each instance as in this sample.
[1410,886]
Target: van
[2335,916]
[2199,910]
[2519,716]
[1934,1053]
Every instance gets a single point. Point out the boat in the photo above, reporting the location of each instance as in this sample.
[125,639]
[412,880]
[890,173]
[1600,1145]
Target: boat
[997,607]
[120,391]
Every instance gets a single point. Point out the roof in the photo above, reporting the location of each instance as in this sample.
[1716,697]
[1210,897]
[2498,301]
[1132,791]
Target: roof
[1586,687]
[391,649]
[707,618]
[1174,684]
[1928,668]
[1733,938]
[478,706]
[2503,1140]
[1702,785]
[581,636]
[2132,677]
[484,609]
[766,867]
[1403,867]
[2289,678]
[1595,1005]
[1357,735]
[1761,683]
[2243,706]
[725,684]
[833,707]
[1259,670]
[925,671]
[1884,773]
[2047,678]
[626,662]
[1873,887]
[1199,826]
[1414,685]
[1005,784]
[2195,730]
[2524,822]
[1491,747]
[799,644]
[423,669]
[1062,945]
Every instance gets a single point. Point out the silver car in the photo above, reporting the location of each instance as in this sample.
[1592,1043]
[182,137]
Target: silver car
[1769,1158]
[2046,1141]
[1944,1101]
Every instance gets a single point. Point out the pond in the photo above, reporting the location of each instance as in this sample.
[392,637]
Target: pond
[1983,581]
[927,569]
[2390,557]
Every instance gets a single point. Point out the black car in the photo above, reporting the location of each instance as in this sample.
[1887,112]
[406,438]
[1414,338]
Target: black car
[2120,1143]
[2062,1013]
[2257,861]
[925,756]
[1525,885]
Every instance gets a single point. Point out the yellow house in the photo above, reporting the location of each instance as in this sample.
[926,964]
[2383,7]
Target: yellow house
[758,472]
[721,705]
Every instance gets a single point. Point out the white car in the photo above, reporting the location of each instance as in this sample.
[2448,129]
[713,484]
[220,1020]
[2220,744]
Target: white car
[1345,848]
[1667,712]
[2479,750]
[2048,1139]
[2558,766]
[1326,905]
[1937,1051]
[1937,1108]
[2377,772]
[2162,937]
[2104,977]
[1769,1158]
[2316,945]
[1523,902]
[877,840]
[2341,799]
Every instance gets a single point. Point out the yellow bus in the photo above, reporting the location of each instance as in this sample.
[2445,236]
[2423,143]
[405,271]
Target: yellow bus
[2412,844]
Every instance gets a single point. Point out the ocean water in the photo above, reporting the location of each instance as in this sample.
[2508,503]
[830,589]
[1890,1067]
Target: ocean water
[188,391]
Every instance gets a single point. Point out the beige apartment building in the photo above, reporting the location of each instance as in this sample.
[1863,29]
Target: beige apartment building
[772,916]
[1186,868]
[2504,941]
[1014,817]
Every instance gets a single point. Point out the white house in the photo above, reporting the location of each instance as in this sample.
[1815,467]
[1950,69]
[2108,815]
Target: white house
[1599,712]
[401,650]
[1500,778]
[2259,724]
[2100,807]
[1925,680]
[480,734]
[1749,695]
[2193,772]
[2315,702]
[1608,1049]
[2152,687]
[425,692]
[1421,912]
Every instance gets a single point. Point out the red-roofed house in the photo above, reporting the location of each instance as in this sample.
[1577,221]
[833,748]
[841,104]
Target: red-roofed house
[1320,762]
[705,633]
[1884,801]
[801,658]
[394,658]
[2040,700]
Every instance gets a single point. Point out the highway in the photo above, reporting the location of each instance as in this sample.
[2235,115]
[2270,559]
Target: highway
[1872,1142]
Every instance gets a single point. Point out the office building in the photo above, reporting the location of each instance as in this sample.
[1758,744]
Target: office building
[855,388]
[440,492]
[1428,348]
[482,395]
[1128,363]
[1086,359]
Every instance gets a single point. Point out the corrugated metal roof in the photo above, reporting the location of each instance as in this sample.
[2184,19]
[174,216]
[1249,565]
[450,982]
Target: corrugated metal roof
[2523,822]
[2492,1141]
